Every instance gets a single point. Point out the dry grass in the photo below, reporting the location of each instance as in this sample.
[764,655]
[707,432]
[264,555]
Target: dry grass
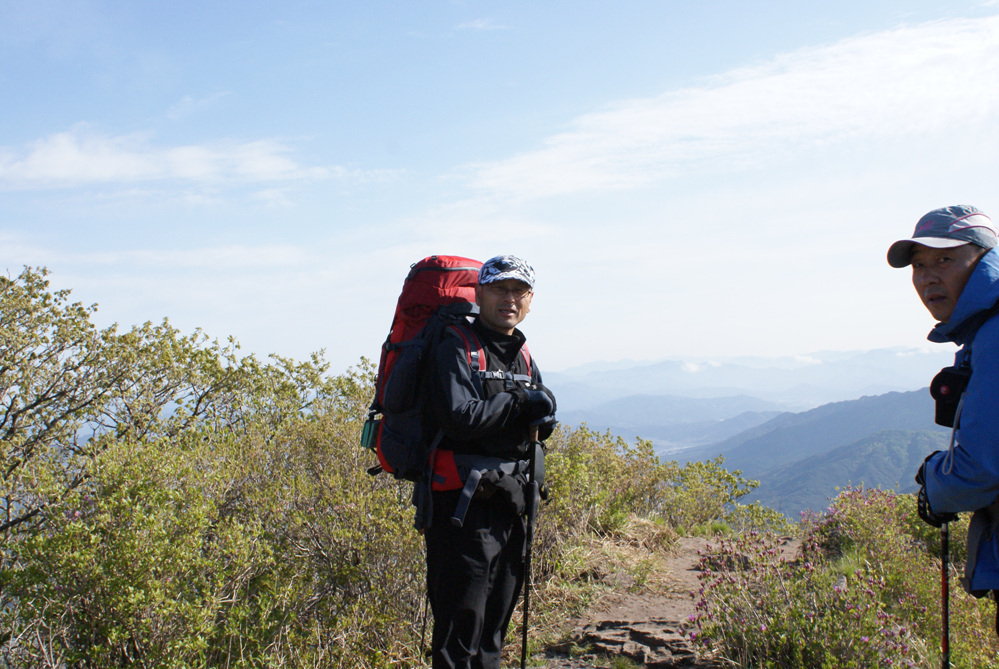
[631,558]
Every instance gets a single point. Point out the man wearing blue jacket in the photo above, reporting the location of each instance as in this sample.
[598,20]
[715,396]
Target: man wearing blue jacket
[955,271]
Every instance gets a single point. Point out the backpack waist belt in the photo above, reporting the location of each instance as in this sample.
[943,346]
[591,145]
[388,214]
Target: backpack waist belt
[476,466]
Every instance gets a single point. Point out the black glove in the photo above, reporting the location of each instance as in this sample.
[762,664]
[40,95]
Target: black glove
[542,387]
[921,474]
[926,513]
[537,405]
[506,488]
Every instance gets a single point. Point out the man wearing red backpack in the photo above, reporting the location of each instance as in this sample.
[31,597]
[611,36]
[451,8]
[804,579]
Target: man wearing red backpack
[488,399]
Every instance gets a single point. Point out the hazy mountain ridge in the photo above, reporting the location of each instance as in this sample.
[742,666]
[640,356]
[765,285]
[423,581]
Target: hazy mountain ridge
[762,415]
[792,437]
[674,423]
[797,383]
[801,459]
[887,459]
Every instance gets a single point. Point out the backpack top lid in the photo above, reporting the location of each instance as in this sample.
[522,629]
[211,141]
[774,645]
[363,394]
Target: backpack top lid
[431,283]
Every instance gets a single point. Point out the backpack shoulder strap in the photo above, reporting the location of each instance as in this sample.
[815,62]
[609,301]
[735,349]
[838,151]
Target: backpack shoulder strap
[474,352]
[478,362]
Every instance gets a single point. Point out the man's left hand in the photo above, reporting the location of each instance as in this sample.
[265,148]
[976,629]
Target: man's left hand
[927,514]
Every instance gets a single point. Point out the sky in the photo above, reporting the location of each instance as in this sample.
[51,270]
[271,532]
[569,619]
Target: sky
[688,179]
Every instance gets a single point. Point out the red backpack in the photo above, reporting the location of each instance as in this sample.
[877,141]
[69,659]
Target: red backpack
[438,292]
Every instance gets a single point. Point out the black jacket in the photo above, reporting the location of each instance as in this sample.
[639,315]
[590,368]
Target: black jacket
[482,416]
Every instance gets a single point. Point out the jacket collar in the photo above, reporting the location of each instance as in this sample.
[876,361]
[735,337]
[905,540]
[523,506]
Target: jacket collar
[980,294]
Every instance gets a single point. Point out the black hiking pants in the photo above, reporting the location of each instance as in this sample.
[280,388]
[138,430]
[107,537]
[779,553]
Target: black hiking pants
[474,576]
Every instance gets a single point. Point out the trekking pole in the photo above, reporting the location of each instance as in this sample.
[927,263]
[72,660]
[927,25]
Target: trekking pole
[533,494]
[945,593]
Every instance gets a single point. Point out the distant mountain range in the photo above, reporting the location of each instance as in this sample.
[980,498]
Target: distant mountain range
[793,437]
[792,424]
[801,459]
[795,383]
[674,423]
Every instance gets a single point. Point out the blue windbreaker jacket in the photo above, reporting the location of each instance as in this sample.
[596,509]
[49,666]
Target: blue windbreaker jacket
[971,481]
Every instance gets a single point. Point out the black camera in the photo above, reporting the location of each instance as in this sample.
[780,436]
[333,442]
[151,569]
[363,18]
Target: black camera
[946,389]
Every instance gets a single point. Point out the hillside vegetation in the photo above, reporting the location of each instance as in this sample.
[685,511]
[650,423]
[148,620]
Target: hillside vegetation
[168,502]
[885,459]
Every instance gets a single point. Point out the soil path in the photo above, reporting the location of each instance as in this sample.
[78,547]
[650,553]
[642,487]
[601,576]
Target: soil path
[647,629]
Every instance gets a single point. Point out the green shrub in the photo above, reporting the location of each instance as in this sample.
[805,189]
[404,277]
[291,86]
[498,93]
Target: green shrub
[172,504]
[212,550]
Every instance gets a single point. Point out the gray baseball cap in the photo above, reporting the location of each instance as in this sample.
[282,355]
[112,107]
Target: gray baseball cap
[501,268]
[945,228]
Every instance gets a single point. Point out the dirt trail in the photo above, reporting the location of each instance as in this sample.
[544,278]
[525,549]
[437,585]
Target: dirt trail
[648,629]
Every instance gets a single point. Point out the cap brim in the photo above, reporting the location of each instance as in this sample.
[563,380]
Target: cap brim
[504,276]
[900,253]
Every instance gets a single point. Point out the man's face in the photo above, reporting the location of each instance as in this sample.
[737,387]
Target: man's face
[503,304]
[939,276]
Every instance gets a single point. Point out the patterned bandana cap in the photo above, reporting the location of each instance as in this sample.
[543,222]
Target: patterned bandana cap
[946,228]
[502,268]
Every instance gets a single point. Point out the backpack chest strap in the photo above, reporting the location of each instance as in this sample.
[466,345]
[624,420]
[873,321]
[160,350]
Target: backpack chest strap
[509,378]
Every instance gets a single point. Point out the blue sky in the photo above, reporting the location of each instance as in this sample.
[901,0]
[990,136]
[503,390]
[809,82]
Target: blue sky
[687,178]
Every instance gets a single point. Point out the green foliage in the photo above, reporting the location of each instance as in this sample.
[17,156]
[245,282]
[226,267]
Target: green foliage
[172,504]
[705,494]
[53,380]
[63,384]
[215,549]
[864,592]
[598,481]
[168,502]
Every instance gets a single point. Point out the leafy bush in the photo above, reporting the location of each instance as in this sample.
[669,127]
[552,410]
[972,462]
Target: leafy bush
[598,481]
[169,503]
[864,592]
[270,548]
[702,494]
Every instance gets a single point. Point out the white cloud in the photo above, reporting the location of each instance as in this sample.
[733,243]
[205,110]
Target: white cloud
[80,157]
[214,259]
[807,360]
[480,24]
[15,251]
[893,84]
[188,106]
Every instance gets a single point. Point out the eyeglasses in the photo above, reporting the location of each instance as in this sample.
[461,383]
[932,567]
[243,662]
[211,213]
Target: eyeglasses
[516,292]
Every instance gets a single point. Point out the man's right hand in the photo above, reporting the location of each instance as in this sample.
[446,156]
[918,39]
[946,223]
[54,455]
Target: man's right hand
[536,404]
